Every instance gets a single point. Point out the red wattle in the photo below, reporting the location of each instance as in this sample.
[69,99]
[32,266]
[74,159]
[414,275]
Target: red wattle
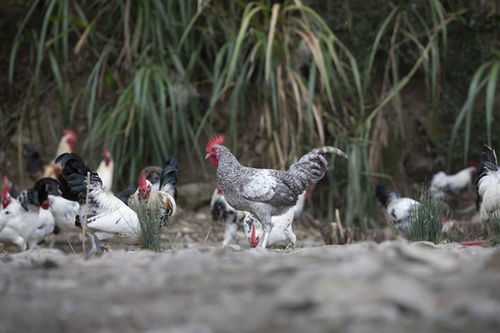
[253,239]
[45,204]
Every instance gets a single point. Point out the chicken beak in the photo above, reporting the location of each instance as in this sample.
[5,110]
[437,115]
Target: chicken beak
[207,156]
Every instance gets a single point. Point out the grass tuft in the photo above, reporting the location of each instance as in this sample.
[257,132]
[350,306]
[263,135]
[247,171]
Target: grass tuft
[427,218]
[150,235]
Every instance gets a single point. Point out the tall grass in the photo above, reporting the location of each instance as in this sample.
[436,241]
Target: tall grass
[485,81]
[155,78]
[150,233]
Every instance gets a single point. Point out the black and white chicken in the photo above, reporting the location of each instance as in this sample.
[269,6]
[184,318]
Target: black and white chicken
[400,210]
[488,185]
[109,219]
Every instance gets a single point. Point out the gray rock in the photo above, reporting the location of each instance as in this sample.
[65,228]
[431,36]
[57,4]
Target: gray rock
[193,196]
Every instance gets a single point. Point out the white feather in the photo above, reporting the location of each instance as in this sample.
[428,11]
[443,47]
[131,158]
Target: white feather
[260,185]
[64,212]
[443,184]
[489,190]
[299,206]
[19,225]
[281,234]
[45,228]
[105,172]
[120,225]
[400,212]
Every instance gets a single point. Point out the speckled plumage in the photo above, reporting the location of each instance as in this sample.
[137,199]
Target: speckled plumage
[268,192]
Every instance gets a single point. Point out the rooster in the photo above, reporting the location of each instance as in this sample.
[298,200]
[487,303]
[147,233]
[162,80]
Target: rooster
[443,185]
[266,192]
[24,223]
[222,212]
[488,185]
[400,210]
[109,219]
[281,234]
[66,144]
[163,200]
[153,174]
[105,170]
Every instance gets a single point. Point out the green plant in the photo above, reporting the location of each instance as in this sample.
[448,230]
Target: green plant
[150,234]
[155,78]
[486,77]
[427,218]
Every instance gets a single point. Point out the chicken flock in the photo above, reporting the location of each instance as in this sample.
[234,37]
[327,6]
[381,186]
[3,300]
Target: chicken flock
[68,196]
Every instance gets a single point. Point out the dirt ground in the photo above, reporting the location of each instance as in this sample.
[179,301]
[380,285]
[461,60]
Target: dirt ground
[364,287]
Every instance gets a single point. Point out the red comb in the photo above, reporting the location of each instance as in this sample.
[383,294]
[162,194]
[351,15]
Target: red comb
[473,164]
[214,140]
[105,152]
[252,236]
[142,180]
[71,133]
[5,181]
[5,192]
[5,197]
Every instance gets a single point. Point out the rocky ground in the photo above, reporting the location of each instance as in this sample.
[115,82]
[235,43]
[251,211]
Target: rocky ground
[364,287]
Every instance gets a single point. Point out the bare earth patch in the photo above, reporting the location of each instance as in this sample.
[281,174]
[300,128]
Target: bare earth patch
[364,287]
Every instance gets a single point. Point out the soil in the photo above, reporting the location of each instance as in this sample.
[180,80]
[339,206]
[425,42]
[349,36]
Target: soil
[365,287]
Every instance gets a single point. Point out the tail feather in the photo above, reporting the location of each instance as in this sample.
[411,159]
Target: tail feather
[311,167]
[385,196]
[51,185]
[73,179]
[488,163]
[169,175]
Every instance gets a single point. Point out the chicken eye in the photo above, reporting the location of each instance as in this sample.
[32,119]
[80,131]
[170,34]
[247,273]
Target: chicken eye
[7,213]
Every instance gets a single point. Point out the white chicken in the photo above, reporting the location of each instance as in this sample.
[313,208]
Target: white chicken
[109,219]
[281,234]
[65,212]
[488,184]
[105,170]
[24,223]
[400,210]
[444,185]
[65,145]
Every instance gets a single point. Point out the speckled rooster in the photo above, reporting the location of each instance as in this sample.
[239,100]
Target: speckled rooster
[266,192]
